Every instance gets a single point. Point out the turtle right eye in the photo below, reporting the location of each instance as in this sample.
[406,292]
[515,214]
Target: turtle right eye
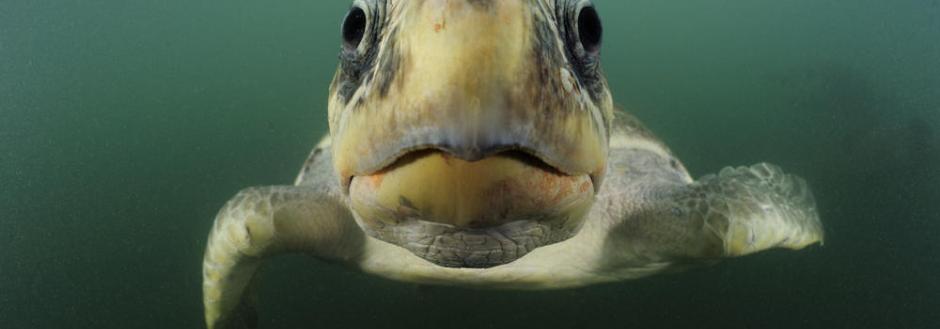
[354,28]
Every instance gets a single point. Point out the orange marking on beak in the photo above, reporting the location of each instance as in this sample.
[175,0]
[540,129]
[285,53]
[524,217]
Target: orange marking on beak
[376,180]
[586,186]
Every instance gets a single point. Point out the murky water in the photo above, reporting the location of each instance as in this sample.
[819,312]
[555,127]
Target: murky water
[125,125]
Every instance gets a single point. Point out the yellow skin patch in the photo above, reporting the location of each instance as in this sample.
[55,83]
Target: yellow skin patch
[440,188]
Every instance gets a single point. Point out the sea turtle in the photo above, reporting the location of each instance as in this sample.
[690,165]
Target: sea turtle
[475,143]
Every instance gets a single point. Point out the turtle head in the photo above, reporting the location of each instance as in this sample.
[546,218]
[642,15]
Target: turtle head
[465,128]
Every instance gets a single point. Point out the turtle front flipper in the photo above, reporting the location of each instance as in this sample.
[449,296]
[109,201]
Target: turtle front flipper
[754,208]
[261,222]
[733,213]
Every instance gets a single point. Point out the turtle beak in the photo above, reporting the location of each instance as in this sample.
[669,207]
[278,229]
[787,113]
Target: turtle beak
[469,79]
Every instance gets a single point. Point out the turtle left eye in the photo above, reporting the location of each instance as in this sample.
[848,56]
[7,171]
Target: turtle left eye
[590,30]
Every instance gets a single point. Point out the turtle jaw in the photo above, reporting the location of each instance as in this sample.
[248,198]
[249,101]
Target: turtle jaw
[480,213]
[380,159]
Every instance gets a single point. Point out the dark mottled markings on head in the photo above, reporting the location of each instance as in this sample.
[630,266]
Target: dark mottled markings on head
[545,54]
[389,68]
[483,4]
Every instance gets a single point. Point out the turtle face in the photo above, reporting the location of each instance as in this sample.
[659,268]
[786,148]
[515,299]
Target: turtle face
[470,131]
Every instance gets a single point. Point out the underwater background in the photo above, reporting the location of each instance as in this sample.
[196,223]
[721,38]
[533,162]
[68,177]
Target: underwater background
[126,124]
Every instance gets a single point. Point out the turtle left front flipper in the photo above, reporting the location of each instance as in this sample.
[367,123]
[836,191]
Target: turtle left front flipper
[264,221]
[754,208]
[736,212]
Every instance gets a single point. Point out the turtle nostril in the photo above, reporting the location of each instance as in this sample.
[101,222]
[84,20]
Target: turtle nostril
[590,29]
[354,28]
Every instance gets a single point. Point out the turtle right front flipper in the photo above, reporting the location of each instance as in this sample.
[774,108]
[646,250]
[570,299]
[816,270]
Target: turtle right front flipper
[264,221]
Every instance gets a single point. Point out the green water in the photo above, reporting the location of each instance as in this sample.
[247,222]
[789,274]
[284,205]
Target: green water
[125,125]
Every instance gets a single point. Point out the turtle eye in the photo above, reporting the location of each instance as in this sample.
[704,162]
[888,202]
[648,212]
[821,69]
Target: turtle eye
[354,28]
[590,30]
[580,27]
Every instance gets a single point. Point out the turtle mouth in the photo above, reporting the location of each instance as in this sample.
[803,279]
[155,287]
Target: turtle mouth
[522,154]
[525,156]
[459,211]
